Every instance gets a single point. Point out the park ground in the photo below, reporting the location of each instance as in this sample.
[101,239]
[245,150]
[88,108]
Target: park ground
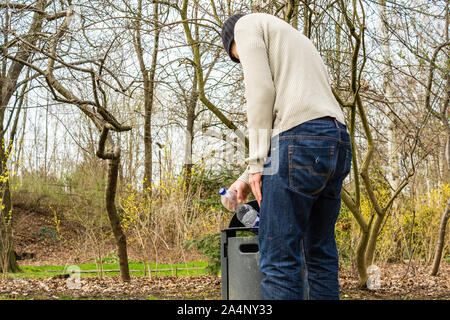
[45,259]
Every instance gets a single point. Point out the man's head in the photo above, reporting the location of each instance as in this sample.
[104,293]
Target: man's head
[228,36]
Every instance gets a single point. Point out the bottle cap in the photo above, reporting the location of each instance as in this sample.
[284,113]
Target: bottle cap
[222,191]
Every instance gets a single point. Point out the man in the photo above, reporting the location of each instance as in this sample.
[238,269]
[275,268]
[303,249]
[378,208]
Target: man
[299,155]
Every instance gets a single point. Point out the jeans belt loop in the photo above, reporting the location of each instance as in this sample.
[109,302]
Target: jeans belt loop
[335,123]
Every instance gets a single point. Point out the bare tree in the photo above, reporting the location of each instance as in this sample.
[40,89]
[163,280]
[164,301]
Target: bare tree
[95,110]
[355,21]
[148,76]
[9,83]
[443,117]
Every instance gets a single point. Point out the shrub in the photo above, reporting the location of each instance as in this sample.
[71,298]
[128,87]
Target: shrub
[160,219]
[209,245]
[409,232]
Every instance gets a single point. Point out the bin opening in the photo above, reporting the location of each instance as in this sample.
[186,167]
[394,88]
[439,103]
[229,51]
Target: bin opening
[249,248]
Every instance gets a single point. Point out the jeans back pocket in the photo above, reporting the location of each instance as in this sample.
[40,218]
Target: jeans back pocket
[309,168]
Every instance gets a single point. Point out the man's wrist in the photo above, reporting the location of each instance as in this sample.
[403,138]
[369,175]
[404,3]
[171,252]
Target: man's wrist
[244,177]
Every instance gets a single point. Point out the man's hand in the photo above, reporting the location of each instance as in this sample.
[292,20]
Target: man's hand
[255,180]
[242,189]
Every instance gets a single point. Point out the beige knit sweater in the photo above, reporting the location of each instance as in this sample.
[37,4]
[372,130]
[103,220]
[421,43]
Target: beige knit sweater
[286,82]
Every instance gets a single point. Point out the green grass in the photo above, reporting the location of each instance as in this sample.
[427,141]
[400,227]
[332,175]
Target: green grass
[43,271]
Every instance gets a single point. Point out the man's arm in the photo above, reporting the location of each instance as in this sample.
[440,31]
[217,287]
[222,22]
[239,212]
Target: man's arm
[259,91]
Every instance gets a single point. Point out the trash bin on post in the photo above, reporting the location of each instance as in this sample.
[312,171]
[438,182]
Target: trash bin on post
[241,277]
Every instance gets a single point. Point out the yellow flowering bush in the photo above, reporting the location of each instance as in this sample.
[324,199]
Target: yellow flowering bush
[408,232]
[162,217]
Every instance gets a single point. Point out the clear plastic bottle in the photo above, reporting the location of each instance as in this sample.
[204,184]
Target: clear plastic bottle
[247,215]
[228,199]
[244,212]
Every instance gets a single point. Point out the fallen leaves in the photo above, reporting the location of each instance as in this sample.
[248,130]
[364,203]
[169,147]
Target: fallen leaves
[400,282]
[139,288]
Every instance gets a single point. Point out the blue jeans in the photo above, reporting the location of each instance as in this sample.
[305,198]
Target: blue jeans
[301,187]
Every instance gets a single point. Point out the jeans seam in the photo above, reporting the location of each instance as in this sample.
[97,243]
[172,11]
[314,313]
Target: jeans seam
[346,161]
[306,294]
[337,158]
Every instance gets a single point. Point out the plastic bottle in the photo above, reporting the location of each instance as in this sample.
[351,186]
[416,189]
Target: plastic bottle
[228,199]
[244,212]
[247,215]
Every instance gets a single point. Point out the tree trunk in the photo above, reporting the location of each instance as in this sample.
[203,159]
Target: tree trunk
[110,194]
[7,255]
[149,89]
[388,91]
[291,14]
[190,119]
[372,242]
[189,140]
[8,85]
[113,161]
[21,140]
[445,215]
[444,119]
[441,240]
[307,16]
[361,258]
[443,166]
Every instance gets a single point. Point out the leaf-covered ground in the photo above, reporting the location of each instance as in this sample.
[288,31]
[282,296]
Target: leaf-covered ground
[399,282]
[163,287]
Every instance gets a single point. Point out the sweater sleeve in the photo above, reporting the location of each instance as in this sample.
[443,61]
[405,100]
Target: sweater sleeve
[244,177]
[259,91]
